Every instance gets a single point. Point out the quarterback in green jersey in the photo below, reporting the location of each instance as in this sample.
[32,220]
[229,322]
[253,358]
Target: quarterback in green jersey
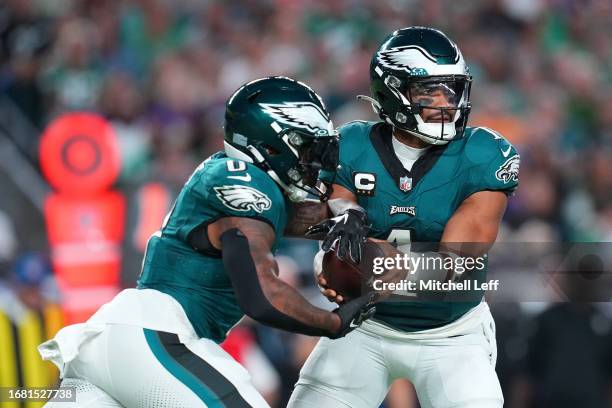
[421,175]
[211,263]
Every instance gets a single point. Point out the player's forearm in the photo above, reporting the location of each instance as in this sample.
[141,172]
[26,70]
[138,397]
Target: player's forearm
[473,228]
[262,296]
[465,235]
[291,303]
[303,215]
[285,299]
[340,205]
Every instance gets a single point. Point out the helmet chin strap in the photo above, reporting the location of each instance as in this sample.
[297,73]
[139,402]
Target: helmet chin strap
[427,139]
[294,193]
[234,153]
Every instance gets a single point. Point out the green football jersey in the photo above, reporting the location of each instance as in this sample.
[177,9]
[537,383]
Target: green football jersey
[414,206]
[175,264]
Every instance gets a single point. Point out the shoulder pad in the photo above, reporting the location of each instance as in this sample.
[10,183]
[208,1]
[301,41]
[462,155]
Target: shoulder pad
[229,171]
[232,167]
[484,145]
[494,162]
[355,128]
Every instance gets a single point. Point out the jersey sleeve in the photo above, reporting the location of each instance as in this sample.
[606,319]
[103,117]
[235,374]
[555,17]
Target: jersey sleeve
[351,139]
[344,173]
[238,189]
[497,163]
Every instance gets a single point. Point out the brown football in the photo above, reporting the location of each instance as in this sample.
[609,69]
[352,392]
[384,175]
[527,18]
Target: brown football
[342,276]
[351,280]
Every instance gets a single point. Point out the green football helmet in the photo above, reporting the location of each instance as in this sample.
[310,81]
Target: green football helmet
[281,125]
[413,66]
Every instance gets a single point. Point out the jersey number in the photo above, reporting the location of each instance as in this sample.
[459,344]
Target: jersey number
[233,165]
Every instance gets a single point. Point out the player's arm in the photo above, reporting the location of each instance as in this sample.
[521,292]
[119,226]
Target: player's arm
[477,219]
[470,232]
[347,230]
[246,250]
[340,201]
[304,215]
[473,228]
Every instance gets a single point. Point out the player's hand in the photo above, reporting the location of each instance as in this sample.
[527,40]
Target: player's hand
[346,231]
[353,313]
[328,292]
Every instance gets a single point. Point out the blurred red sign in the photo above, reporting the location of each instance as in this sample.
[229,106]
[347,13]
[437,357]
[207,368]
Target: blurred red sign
[79,154]
[85,236]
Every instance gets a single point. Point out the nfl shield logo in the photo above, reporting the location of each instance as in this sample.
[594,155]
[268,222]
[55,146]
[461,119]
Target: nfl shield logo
[405,183]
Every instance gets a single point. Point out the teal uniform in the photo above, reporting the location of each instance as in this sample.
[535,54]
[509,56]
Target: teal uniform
[414,206]
[179,260]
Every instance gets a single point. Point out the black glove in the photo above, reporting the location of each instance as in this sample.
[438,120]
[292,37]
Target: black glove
[349,229]
[353,313]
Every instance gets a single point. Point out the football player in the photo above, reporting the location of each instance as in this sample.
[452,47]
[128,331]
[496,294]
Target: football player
[210,264]
[419,175]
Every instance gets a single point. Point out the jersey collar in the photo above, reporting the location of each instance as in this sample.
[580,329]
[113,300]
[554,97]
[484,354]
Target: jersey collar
[381,138]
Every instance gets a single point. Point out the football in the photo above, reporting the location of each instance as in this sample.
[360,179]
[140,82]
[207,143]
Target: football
[352,280]
[342,276]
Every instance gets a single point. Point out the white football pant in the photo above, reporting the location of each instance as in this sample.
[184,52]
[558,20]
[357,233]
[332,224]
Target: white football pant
[128,366]
[449,367]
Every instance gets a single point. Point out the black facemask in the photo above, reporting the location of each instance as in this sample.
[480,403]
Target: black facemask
[315,154]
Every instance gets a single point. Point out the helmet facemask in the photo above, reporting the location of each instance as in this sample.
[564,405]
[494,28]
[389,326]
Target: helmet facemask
[434,109]
[312,155]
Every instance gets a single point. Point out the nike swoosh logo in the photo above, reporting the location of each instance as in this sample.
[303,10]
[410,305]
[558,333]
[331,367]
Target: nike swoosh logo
[344,218]
[507,152]
[353,325]
[246,178]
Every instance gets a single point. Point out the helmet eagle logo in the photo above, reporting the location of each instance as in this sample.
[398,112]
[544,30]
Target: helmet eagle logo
[406,58]
[243,198]
[305,115]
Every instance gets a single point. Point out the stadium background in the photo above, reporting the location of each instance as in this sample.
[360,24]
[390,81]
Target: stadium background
[160,72]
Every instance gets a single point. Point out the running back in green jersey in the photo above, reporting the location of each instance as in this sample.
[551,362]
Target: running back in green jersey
[178,260]
[414,206]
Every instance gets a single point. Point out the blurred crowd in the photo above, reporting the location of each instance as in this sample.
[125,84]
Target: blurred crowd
[161,70]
